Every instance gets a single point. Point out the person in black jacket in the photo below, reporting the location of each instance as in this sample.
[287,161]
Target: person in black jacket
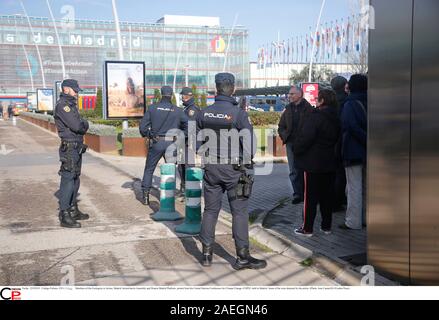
[288,126]
[338,84]
[354,132]
[160,123]
[71,130]
[315,154]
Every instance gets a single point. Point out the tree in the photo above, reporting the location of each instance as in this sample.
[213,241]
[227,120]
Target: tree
[174,100]
[319,74]
[99,106]
[359,60]
[157,96]
[203,102]
[196,95]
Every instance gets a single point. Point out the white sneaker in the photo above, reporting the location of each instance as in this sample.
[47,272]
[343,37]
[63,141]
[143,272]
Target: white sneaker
[326,232]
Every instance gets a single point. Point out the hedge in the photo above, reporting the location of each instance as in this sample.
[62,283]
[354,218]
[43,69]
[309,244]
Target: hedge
[259,119]
[131,133]
[101,130]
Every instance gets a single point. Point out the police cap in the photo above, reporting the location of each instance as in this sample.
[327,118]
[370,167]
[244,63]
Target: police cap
[167,91]
[71,84]
[186,91]
[225,77]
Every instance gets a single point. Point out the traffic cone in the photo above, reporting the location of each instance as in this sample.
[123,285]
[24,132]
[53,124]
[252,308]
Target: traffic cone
[192,223]
[167,195]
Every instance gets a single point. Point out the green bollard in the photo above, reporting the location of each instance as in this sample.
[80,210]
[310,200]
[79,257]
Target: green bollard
[167,195]
[192,223]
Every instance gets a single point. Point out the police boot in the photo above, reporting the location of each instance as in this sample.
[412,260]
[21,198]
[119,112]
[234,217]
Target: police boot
[246,261]
[207,256]
[145,198]
[77,214]
[67,221]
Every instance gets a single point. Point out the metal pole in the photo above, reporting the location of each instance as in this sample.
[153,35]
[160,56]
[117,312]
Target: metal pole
[178,61]
[36,46]
[116,21]
[228,42]
[59,42]
[314,43]
[27,58]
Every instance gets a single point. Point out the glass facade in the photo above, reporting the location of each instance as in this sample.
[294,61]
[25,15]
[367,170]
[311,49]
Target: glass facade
[30,55]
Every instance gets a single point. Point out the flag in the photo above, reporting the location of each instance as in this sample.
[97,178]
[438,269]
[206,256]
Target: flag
[307,48]
[348,33]
[317,44]
[301,45]
[338,38]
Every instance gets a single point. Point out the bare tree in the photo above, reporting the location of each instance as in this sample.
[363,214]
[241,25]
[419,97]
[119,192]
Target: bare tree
[359,60]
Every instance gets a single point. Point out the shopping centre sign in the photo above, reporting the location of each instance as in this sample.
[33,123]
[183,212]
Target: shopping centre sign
[77,40]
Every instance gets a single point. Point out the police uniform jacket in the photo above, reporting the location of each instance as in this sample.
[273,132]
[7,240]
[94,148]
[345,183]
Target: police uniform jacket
[70,125]
[162,117]
[225,114]
[191,110]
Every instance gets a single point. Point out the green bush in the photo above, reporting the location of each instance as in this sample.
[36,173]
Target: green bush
[102,130]
[131,133]
[264,118]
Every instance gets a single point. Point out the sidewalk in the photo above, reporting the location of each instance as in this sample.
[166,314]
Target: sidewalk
[339,256]
[120,244]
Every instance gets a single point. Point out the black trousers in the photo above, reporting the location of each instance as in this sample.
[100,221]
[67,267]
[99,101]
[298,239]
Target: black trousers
[340,186]
[70,172]
[217,180]
[319,189]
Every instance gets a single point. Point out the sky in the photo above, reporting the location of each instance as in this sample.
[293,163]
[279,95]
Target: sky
[263,19]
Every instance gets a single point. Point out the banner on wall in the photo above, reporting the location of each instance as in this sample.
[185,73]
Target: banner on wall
[124,84]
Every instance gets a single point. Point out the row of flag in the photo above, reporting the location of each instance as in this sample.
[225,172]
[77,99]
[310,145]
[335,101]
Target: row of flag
[332,41]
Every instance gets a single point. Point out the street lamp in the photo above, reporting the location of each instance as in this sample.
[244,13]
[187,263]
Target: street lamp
[314,43]
[186,71]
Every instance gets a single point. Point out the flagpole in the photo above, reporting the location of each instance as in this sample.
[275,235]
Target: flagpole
[314,43]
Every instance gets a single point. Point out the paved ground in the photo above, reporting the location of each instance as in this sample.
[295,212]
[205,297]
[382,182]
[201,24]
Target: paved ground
[120,245]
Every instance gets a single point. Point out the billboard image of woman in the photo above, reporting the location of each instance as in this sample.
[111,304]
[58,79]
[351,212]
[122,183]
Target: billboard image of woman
[125,89]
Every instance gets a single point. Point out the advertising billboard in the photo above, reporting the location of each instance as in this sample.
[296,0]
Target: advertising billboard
[32,101]
[45,99]
[124,84]
[311,92]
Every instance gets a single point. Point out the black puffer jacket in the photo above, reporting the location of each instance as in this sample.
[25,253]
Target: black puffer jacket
[291,119]
[315,145]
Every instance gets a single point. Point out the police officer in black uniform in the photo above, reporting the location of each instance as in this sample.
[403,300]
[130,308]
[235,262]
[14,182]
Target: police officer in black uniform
[191,110]
[220,177]
[158,120]
[71,129]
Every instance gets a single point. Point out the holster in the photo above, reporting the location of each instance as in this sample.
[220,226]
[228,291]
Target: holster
[244,187]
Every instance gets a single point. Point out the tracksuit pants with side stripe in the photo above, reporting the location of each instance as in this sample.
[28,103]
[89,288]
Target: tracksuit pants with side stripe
[319,189]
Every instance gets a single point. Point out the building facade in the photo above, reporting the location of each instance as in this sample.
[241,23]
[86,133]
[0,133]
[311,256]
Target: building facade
[280,74]
[176,50]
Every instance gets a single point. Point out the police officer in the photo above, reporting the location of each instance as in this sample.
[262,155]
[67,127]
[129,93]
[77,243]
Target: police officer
[71,129]
[10,111]
[158,120]
[191,110]
[225,115]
